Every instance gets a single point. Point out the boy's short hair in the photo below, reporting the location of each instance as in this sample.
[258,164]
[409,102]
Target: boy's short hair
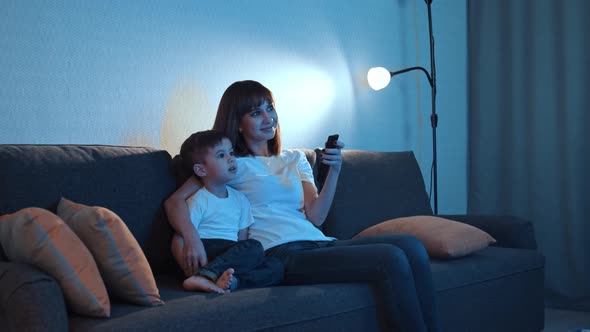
[195,147]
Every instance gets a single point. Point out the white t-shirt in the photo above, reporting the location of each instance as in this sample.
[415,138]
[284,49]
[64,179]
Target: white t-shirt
[219,218]
[273,187]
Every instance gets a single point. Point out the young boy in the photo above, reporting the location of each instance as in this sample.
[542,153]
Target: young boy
[222,216]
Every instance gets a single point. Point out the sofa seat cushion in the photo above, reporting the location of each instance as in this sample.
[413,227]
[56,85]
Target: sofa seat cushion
[484,265]
[495,289]
[270,308]
[25,294]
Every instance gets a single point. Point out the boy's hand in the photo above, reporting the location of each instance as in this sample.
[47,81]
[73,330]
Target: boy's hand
[194,256]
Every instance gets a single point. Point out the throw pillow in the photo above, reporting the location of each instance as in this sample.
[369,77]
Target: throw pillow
[121,261]
[442,238]
[40,238]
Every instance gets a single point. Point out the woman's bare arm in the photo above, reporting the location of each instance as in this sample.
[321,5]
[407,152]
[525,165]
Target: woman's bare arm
[194,254]
[317,205]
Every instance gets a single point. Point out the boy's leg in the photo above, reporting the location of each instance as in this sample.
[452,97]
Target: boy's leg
[270,272]
[205,279]
[216,247]
[242,256]
[213,248]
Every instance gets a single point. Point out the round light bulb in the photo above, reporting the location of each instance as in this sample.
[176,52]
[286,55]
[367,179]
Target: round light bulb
[378,78]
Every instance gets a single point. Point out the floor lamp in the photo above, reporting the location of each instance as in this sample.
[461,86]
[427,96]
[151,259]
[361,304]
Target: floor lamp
[379,78]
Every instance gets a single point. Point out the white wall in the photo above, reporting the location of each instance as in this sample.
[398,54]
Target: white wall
[151,72]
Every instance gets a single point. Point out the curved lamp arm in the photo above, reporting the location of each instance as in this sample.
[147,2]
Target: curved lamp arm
[393,73]
[379,77]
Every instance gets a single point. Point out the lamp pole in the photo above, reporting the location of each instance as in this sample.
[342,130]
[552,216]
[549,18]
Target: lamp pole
[433,122]
[433,115]
[379,77]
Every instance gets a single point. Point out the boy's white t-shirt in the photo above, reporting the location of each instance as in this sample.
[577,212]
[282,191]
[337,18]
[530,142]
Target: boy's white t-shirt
[273,187]
[219,218]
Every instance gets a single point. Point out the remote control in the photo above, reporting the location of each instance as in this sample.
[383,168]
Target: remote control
[331,141]
[322,168]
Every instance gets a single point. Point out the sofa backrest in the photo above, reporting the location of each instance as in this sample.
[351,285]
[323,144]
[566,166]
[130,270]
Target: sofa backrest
[131,181]
[374,187]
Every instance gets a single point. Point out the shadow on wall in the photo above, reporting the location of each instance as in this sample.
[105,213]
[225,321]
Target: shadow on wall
[187,111]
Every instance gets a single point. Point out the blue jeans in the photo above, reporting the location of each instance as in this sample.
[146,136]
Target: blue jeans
[251,267]
[397,266]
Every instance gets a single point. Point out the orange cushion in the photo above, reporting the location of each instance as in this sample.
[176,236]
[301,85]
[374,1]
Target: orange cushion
[40,238]
[442,238]
[122,263]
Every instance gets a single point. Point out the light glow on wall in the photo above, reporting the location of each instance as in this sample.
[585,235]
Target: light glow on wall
[306,90]
[303,95]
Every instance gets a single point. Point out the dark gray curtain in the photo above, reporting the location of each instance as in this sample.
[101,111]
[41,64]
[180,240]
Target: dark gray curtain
[529,144]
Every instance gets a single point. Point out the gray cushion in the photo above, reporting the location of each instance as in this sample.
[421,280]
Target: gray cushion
[131,181]
[369,192]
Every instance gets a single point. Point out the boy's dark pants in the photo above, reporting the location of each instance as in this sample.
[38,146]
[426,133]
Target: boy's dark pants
[251,267]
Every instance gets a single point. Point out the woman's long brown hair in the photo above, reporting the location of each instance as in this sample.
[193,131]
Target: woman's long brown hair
[239,99]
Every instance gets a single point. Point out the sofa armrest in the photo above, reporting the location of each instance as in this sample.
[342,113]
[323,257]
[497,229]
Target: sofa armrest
[30,300]
[509,231]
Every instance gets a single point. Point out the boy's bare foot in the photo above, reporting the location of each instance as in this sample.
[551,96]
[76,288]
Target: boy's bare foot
[199,283]
[224,280]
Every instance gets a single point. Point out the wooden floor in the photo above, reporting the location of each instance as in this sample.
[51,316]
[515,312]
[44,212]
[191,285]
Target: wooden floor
[557,320]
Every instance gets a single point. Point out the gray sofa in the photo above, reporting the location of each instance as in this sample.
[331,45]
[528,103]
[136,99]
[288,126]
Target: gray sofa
[499,288]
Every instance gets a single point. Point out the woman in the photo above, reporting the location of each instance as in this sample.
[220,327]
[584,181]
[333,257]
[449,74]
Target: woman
[287,208]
